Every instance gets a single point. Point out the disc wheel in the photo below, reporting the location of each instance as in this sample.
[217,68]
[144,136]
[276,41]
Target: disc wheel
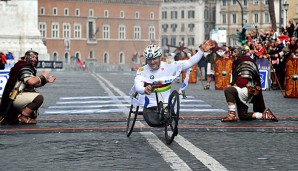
[131,120]
[171,124]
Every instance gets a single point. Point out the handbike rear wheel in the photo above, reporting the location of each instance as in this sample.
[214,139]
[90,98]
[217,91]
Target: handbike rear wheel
[171,125]
[131,119]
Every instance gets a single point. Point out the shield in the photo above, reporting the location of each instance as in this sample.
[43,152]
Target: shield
[291,90]
[223,67]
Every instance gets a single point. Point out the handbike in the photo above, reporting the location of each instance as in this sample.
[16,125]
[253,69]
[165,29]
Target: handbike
[168,110]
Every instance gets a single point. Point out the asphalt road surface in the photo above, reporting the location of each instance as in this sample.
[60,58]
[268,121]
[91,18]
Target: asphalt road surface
[82,126]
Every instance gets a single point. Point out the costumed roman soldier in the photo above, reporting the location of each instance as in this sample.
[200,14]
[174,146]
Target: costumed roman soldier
[20,100]
[245,88]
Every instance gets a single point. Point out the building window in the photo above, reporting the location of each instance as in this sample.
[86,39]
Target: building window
[91,54]
[137,15]
[173,41]
[42,29]
[234,2]
[191,41]
[91,13]
[256,1]
[224,2]
[174,27]
[66,13]
[106,13]
[173,14]
[106,32]
[164,14]
[234,19]
[152,33]
[66,30]
[191,14]
[182,14]
[164,41]
[77,12]
[267,18]
[165,27]
[42,11]
[137,32]
[206,14]
[77,31]
[55,11]
[122,32]
[151,15]
[182,27]
[256,18]
[191,27]
[105,58]
[66,57]
[91,30]
[121,58]
[244,2]
[55,30]
[121,14]
[55,56]
[224,19]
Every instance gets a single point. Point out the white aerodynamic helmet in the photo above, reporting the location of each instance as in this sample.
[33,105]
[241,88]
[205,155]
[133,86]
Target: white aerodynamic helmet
[152,51]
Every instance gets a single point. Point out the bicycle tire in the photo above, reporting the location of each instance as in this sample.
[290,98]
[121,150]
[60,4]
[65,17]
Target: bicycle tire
[171,125]
[131,119]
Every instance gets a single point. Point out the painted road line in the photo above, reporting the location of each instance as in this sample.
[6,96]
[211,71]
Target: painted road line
[114,105]
[120,110]
[141,127]
[205,158]
[158,146]
[175,162]
[99,97]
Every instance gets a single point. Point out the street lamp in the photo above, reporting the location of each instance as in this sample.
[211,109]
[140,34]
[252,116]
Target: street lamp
[286,7]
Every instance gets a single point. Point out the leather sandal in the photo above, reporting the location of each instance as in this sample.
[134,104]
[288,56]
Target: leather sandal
[268,115]
[230,117]
[26,120]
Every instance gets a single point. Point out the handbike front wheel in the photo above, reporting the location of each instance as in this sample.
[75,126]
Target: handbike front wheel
[131,119]
[171,125]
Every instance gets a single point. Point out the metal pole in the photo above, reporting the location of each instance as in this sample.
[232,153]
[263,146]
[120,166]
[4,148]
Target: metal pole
[241,13]
[279,15]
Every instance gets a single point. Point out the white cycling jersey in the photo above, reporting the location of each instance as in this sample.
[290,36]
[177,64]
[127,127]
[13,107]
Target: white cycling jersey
[166,69]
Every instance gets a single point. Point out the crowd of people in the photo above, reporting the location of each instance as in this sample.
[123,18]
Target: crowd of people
[276,48]
[6,60]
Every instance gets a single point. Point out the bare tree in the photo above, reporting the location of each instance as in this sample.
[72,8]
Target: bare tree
[272,14]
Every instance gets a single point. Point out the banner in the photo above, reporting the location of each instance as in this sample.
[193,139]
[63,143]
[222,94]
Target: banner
[4,75]
[264,79]
[50,64]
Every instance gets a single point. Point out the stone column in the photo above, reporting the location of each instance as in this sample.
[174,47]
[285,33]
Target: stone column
[19,28]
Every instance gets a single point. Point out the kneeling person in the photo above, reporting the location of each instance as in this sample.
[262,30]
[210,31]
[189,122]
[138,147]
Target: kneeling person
[23,79]
[245,88]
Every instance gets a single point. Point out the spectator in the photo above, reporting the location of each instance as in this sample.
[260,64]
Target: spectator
[2,61]
[9,59]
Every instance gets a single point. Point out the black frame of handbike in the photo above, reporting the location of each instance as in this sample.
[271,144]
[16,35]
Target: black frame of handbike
[159,111]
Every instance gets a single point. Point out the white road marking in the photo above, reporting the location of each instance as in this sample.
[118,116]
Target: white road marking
[175,162]
[168,155]
[98,97]
[119,110]
[205,158]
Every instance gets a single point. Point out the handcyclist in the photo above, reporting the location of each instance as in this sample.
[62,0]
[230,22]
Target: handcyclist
[154,69]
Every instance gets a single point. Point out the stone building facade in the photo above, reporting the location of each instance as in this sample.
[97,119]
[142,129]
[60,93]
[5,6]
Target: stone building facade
[99,32]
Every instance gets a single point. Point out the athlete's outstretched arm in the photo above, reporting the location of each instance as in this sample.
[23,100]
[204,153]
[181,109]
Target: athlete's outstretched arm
[204,47]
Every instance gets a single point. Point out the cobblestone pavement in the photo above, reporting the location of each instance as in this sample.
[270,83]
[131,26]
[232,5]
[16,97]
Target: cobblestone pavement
[83,122]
